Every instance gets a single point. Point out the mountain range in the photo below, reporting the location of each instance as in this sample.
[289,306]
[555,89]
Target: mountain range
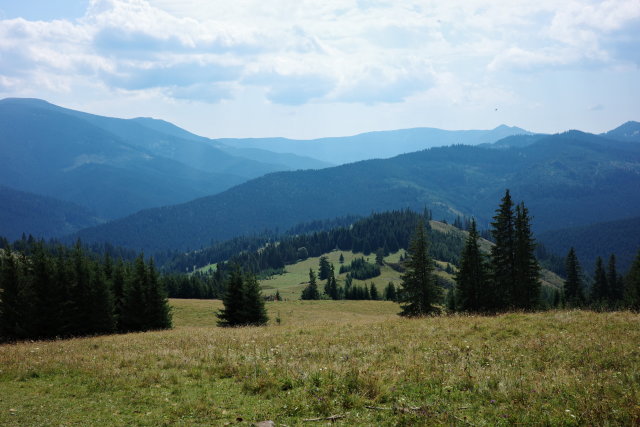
[567,179]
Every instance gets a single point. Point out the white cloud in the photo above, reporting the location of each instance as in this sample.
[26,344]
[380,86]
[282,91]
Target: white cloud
[287,53]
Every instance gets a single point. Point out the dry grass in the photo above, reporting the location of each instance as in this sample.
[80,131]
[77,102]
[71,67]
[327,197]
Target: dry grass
[326,358]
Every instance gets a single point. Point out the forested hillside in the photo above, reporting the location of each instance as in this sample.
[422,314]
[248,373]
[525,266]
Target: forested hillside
[29,213]
[555,175]
[597,240]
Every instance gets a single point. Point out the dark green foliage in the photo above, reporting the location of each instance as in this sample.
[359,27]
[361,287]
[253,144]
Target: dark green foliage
[573,290]
[472,277]
[615,282]
[310,292]
[243,303]
[390,230]
[632,285]
[232,314]
[501,288]
[341,259]
[419,293]
[331,287]
[373,292]
[380,256]
[526,290]
[49,292]
[600,289]
[390,292]
[324,268]
[514,280]
[360,269]
[255,313]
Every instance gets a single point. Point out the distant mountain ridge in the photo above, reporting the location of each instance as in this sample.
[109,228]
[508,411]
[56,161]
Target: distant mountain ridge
[568,179]
[375,145]
[115,167]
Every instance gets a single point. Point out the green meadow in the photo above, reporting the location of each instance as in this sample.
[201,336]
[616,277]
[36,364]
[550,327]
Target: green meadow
[346,362]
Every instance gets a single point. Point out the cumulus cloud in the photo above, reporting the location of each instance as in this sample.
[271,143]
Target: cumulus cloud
[351,51]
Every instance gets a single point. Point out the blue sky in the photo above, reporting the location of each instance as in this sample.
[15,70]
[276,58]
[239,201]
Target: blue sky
[310,68]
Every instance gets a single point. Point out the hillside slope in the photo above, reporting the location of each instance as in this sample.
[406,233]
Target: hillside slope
[598,240]
[566,180]
[22,212]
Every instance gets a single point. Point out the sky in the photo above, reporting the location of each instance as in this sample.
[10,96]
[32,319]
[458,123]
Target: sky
[315,68]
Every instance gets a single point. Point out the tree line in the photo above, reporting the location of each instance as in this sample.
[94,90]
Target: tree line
[50,292]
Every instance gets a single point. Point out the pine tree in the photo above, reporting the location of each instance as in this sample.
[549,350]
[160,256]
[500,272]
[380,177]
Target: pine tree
[419,292]
[600,288]
[373,291]
[526,288]
[10,314]
[390,292]
[157,310]
[380,256]
[310,292]
[132,316]
[254,312]
[501,289]
[341,259]
[471,279]
[632,285]
[616,286]
[331,287]
[573,293]
[324,268]
[233,312]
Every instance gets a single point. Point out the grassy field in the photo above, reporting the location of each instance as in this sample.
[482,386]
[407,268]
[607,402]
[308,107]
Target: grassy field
[352,359]
[292,282]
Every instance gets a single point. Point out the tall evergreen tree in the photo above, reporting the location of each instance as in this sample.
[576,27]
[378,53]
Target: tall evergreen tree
[390,292]
[632,285]
[254,311]
[158,312]
[573,292]
[331,287]
[373,292]
[324,268]
[526,288]
[10,313]
[616,286]
[233,300]
[600,288]
[501,288]
[471,279]
[310,292]
[419,293]
[132,317]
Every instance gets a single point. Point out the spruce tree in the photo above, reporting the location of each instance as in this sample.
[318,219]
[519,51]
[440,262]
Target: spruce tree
[471,279]
[526,288]
[501,289]
[10,314]
[632,285]
[573,293]
[310,292]
[373,291]
[616,286]
[419,293]
[254,312]
[233,300]
[323,268]
[390,292]
[157,310]
[132,316]
[600,288]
